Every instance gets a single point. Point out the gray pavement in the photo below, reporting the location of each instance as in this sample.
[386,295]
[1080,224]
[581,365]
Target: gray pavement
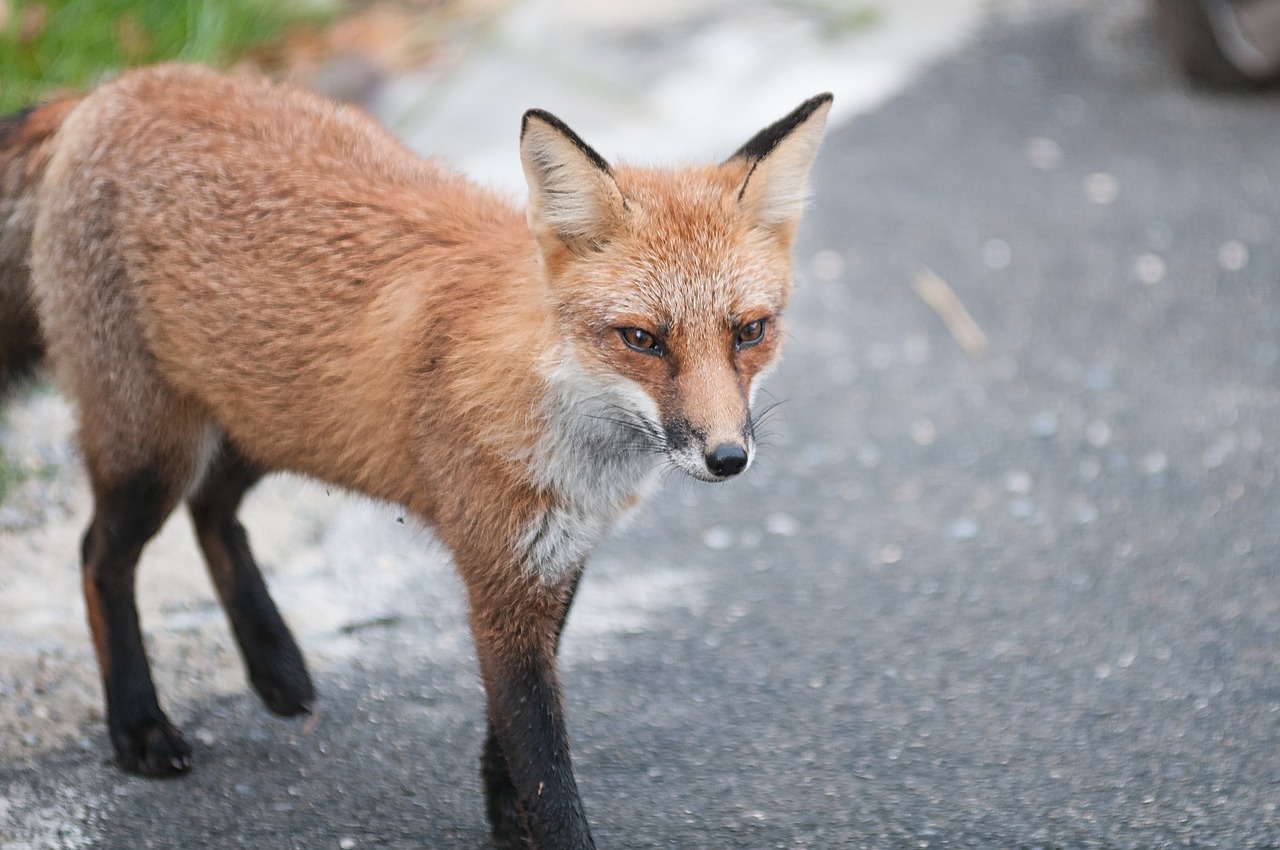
[1028,600]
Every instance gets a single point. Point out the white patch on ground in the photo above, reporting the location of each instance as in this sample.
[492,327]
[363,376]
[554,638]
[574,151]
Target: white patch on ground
[336,564]
[616,600]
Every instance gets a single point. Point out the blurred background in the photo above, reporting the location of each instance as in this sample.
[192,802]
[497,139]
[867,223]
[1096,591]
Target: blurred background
[1006,572]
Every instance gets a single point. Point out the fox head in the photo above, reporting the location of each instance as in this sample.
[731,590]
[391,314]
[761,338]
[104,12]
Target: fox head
[668,285]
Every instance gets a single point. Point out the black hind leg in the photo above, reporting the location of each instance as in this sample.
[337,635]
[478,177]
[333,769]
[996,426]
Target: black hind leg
[270,653]
[126,516]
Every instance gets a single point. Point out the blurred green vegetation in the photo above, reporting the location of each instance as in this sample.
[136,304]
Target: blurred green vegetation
[10,474]
[52,45]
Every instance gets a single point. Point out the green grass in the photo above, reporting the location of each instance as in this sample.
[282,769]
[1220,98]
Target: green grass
[53,45]
[11,474]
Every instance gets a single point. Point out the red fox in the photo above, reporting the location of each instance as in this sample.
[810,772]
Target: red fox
[231,278]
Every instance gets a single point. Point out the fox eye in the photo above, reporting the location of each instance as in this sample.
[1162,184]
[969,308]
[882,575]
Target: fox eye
[641,340]
[750,333]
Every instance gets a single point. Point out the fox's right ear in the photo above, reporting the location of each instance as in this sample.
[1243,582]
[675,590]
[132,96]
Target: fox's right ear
[573,198]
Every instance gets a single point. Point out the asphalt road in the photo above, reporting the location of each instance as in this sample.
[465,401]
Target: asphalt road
[1028,600]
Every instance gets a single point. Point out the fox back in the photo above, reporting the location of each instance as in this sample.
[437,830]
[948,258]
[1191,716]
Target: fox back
[232,278]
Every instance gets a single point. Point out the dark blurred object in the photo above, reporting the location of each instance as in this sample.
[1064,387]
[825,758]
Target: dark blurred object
[1228,44]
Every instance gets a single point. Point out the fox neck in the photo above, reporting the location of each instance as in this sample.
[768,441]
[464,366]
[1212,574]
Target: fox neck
[594,459]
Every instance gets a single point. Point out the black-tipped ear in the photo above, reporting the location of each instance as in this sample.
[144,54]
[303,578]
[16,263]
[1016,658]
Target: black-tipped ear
[762,144]
[573,198]
[563,129]
[777,185]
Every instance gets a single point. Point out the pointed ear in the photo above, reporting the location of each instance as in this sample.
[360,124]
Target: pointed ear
[777,186]
[573,198]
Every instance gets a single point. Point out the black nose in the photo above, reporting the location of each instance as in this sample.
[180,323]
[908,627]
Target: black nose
[727,459]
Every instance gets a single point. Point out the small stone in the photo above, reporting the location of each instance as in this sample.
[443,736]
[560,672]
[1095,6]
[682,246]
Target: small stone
[1150,269]
[891,554]
[923,432]
[1044,154]
[1101,188]
[781,524]
[964,528]
[717,537]
[1233,255]
[1098,433]
[1215,455]
[1018,481]
[996,254]
[1044,424]
[869,455]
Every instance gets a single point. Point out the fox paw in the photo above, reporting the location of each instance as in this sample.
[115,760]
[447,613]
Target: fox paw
[282,681]
[153,747]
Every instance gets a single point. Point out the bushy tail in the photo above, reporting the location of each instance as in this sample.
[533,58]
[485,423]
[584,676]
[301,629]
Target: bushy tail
[26,143]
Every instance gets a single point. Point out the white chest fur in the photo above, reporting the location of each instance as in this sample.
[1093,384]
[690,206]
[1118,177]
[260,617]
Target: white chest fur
[598,457]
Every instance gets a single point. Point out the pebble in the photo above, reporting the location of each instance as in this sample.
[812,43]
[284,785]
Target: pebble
[1101,188]
[963,528]
[923,432]
[869,455]
[1233,255]
[1215,455]
[1018,482]
[1154,463]
[1150,269]
[1098,433]
[1044,154]
[781,524]
[717,537]
[996,254]
[1044,424]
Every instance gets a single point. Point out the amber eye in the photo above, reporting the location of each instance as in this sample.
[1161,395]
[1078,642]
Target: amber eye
[641,340]
[750,333]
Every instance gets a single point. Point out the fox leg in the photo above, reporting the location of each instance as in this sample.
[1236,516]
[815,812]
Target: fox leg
[531,793]
[506,819]
[271,655]
[127,513]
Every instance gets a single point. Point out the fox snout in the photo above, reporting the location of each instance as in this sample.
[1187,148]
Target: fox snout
[707,457]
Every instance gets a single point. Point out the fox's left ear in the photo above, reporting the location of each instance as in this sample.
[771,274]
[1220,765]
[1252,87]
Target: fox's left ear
[573,199]
[780,155]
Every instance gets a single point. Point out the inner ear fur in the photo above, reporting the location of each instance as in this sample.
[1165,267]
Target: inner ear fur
[573,197]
